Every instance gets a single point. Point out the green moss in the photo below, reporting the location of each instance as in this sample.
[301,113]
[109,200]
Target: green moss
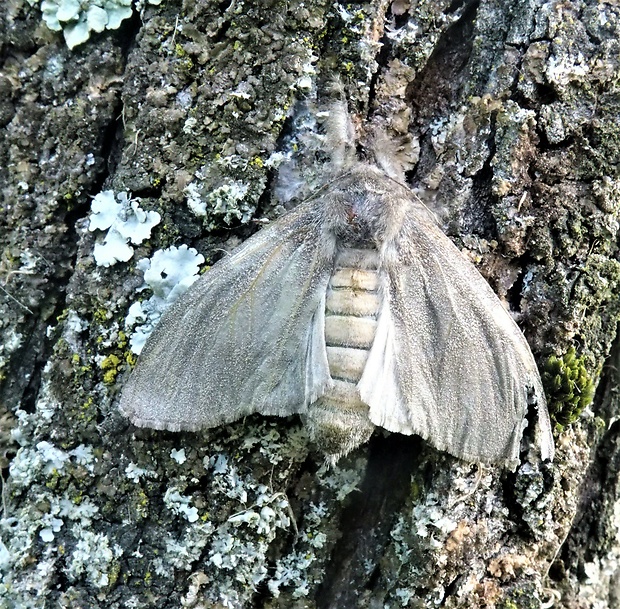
[63,316]
[69,201]
[109,362]
[141,503]
[110,376]
[415,490]
[53,479]
[86,412]
[569,387]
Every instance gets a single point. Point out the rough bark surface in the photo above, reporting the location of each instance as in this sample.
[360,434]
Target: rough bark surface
[509,115]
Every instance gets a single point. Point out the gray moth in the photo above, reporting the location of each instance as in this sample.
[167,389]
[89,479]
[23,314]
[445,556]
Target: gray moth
[353,310]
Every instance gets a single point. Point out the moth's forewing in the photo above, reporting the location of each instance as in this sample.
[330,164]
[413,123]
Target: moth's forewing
[238,341]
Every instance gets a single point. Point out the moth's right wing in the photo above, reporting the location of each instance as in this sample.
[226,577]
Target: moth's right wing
[448,361]
[247,337]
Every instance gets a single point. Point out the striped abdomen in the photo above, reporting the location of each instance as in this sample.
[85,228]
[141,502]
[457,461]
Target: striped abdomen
[339,419]
[351,309]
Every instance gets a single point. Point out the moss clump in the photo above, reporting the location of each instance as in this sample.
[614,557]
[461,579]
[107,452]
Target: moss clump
[569,387]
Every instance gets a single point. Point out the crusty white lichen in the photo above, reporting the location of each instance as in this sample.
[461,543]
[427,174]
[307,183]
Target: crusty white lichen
[225,203]
[11,343]
[92,556]
[180,504]
[136,473]
[56,527]
[178,455]
[291,570]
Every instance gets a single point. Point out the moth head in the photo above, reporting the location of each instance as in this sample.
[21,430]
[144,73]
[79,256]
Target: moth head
[393,153]
[323,144]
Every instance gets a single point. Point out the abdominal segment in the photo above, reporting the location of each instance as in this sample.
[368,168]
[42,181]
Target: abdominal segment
[339,419]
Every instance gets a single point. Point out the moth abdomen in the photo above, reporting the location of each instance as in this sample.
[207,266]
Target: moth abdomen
[353,303]
[339,419]
[348,331]
[351,307]
[346,363]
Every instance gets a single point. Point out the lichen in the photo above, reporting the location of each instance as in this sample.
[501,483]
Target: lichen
[110,368]
[78,19]
[125,221]
[568,385]
[11,343]
[226,202]
[93,556]
[55,526]
[291,570]
[226,191]
[168,274]
[180,504]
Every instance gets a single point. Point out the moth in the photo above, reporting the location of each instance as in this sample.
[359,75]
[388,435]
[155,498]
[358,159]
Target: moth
[353,310]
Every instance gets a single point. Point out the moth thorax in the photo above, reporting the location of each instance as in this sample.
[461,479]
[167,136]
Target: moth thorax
[339,420]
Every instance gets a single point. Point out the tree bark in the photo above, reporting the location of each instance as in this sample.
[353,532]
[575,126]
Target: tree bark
[508,113]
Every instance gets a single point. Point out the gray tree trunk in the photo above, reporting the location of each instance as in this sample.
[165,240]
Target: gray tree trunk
[511,113]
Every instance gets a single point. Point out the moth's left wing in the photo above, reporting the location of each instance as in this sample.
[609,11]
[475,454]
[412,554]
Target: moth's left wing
[448,363]
[246,337]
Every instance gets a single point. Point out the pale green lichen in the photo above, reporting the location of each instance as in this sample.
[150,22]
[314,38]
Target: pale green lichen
[93,557]
[226,202]
[77,19]
[59,521]
[126,223]
[12,342]
[227,189]
[291,571]
[168,274]
[180,504]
